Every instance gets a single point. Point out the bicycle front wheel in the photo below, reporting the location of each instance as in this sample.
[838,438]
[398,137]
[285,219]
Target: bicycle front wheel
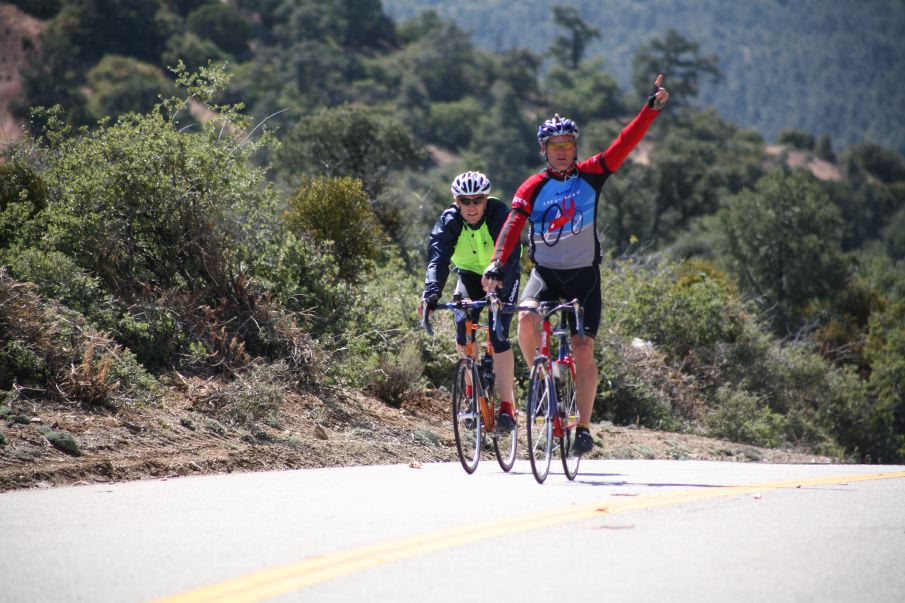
[568,415]
[539,420]
[466,416]
[505,446]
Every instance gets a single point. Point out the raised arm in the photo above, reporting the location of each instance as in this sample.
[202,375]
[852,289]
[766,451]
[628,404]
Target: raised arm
[632,134]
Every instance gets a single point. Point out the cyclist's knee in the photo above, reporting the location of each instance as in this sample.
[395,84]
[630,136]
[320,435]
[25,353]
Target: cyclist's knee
[528,320]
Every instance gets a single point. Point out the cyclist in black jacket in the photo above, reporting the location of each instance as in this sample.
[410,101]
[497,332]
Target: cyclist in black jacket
[464,234]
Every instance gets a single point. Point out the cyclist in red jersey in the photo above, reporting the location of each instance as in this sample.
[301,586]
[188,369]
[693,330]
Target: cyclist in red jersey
[560,205]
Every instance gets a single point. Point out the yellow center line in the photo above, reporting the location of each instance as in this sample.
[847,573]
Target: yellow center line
[266,584]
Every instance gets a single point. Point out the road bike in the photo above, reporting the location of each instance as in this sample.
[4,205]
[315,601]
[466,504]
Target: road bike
[474,402]
[552,408]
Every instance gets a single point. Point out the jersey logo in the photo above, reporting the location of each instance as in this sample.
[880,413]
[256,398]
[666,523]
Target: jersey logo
[557,217]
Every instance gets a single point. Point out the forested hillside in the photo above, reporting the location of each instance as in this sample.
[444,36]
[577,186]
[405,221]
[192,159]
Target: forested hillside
[827,67]
[240,193]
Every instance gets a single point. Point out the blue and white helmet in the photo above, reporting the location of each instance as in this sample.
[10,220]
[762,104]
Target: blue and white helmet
[470,183]
[557,126]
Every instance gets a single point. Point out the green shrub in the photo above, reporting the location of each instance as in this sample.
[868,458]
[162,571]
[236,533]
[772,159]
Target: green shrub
[337,210]
[797,139]
[222,24]
[59,277]
[194,51]
[122,84]
[255,395]
[396,376]
[60,439]
[23,194]
[152,332]
[144,205]
[637,387]
[823,406]
[62,354]
[744,417]
[886,352]
[678,307]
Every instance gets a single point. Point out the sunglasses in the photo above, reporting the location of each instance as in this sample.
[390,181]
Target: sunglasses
[466,201]
[560,146]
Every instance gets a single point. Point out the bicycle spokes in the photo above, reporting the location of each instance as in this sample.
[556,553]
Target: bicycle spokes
[466,417]
[540,422]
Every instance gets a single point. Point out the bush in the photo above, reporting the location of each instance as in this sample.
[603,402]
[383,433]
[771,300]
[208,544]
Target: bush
[886,352]
[254,396]
[58,277]
[60,439]
[336,210]
[783,240]
[122,84]
[144,206]
[222,24]
[744,417]
[637,386]
[679,307]
[797,139]
[824,407]
[23,194]
[396,376]
[192,50]
[55,350]
[42,9]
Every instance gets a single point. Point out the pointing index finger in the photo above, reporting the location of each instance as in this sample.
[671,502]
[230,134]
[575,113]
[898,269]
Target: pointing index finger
[659,80]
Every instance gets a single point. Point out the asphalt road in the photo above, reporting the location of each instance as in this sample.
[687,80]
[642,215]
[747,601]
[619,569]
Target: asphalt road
[623,531]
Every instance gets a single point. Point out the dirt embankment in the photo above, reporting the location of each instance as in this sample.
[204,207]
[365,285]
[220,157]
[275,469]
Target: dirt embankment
[335,429]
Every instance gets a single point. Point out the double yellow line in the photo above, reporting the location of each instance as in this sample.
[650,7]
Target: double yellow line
[263,585]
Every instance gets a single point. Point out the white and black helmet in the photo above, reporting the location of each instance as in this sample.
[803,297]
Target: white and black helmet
[470,183]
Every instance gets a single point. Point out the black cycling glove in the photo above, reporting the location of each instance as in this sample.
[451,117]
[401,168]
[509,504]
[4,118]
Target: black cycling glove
[430,302]
[494,271]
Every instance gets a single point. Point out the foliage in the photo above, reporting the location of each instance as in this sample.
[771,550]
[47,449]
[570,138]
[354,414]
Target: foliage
[584,92]
[254,395]
[53,351]
[155,213]
[125,27]
[195,52]
[336,210]
[122,84]
[569,47]
[886,352]
[882,163]
[58,277]
[23,194]
[60,439]
[347,141]
[223,25]
[681,308]
[782,240]
[680,61]
[42,9]
[797,140]
[773,55]
[306,281]
[744,417]
[396,376]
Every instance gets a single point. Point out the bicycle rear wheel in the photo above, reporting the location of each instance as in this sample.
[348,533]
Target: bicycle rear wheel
[505,446]
[568,415]
[466,417]
[539,421]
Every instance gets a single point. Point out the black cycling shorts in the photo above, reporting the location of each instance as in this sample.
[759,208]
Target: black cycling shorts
[469,286]
[547,284]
